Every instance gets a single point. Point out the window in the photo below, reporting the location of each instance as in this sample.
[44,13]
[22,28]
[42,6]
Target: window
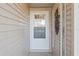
[39,26]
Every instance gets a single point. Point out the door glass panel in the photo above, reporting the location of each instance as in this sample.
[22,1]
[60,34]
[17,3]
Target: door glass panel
[39,20]
[39,32]
[39,26]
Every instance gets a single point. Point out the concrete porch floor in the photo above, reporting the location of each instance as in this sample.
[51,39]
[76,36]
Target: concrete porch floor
[40,54]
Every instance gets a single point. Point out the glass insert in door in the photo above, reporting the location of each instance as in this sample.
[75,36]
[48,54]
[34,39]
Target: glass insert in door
[39,26]
[39,32]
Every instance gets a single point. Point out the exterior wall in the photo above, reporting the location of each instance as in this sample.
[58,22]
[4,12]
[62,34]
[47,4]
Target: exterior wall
[14,29]
[55,38]
[68,29]
[64,45]
[69,17]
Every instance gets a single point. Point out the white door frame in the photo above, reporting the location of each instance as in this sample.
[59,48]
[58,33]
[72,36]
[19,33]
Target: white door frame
[42,9]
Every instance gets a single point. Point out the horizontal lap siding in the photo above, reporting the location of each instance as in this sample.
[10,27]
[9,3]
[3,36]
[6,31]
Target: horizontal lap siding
[13,21]
[69,29]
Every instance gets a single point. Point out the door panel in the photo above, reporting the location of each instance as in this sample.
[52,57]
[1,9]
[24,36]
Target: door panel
[39,27]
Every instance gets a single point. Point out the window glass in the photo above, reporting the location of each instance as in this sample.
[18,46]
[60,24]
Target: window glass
[39,26]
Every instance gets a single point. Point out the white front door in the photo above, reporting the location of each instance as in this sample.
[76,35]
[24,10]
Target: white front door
[39,31]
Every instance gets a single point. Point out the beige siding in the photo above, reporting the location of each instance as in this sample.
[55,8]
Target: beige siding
[69,29]
[14,28]
[55,38]
[68,17]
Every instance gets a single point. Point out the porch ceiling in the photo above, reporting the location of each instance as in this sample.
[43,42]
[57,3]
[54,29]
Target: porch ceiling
[35,5]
